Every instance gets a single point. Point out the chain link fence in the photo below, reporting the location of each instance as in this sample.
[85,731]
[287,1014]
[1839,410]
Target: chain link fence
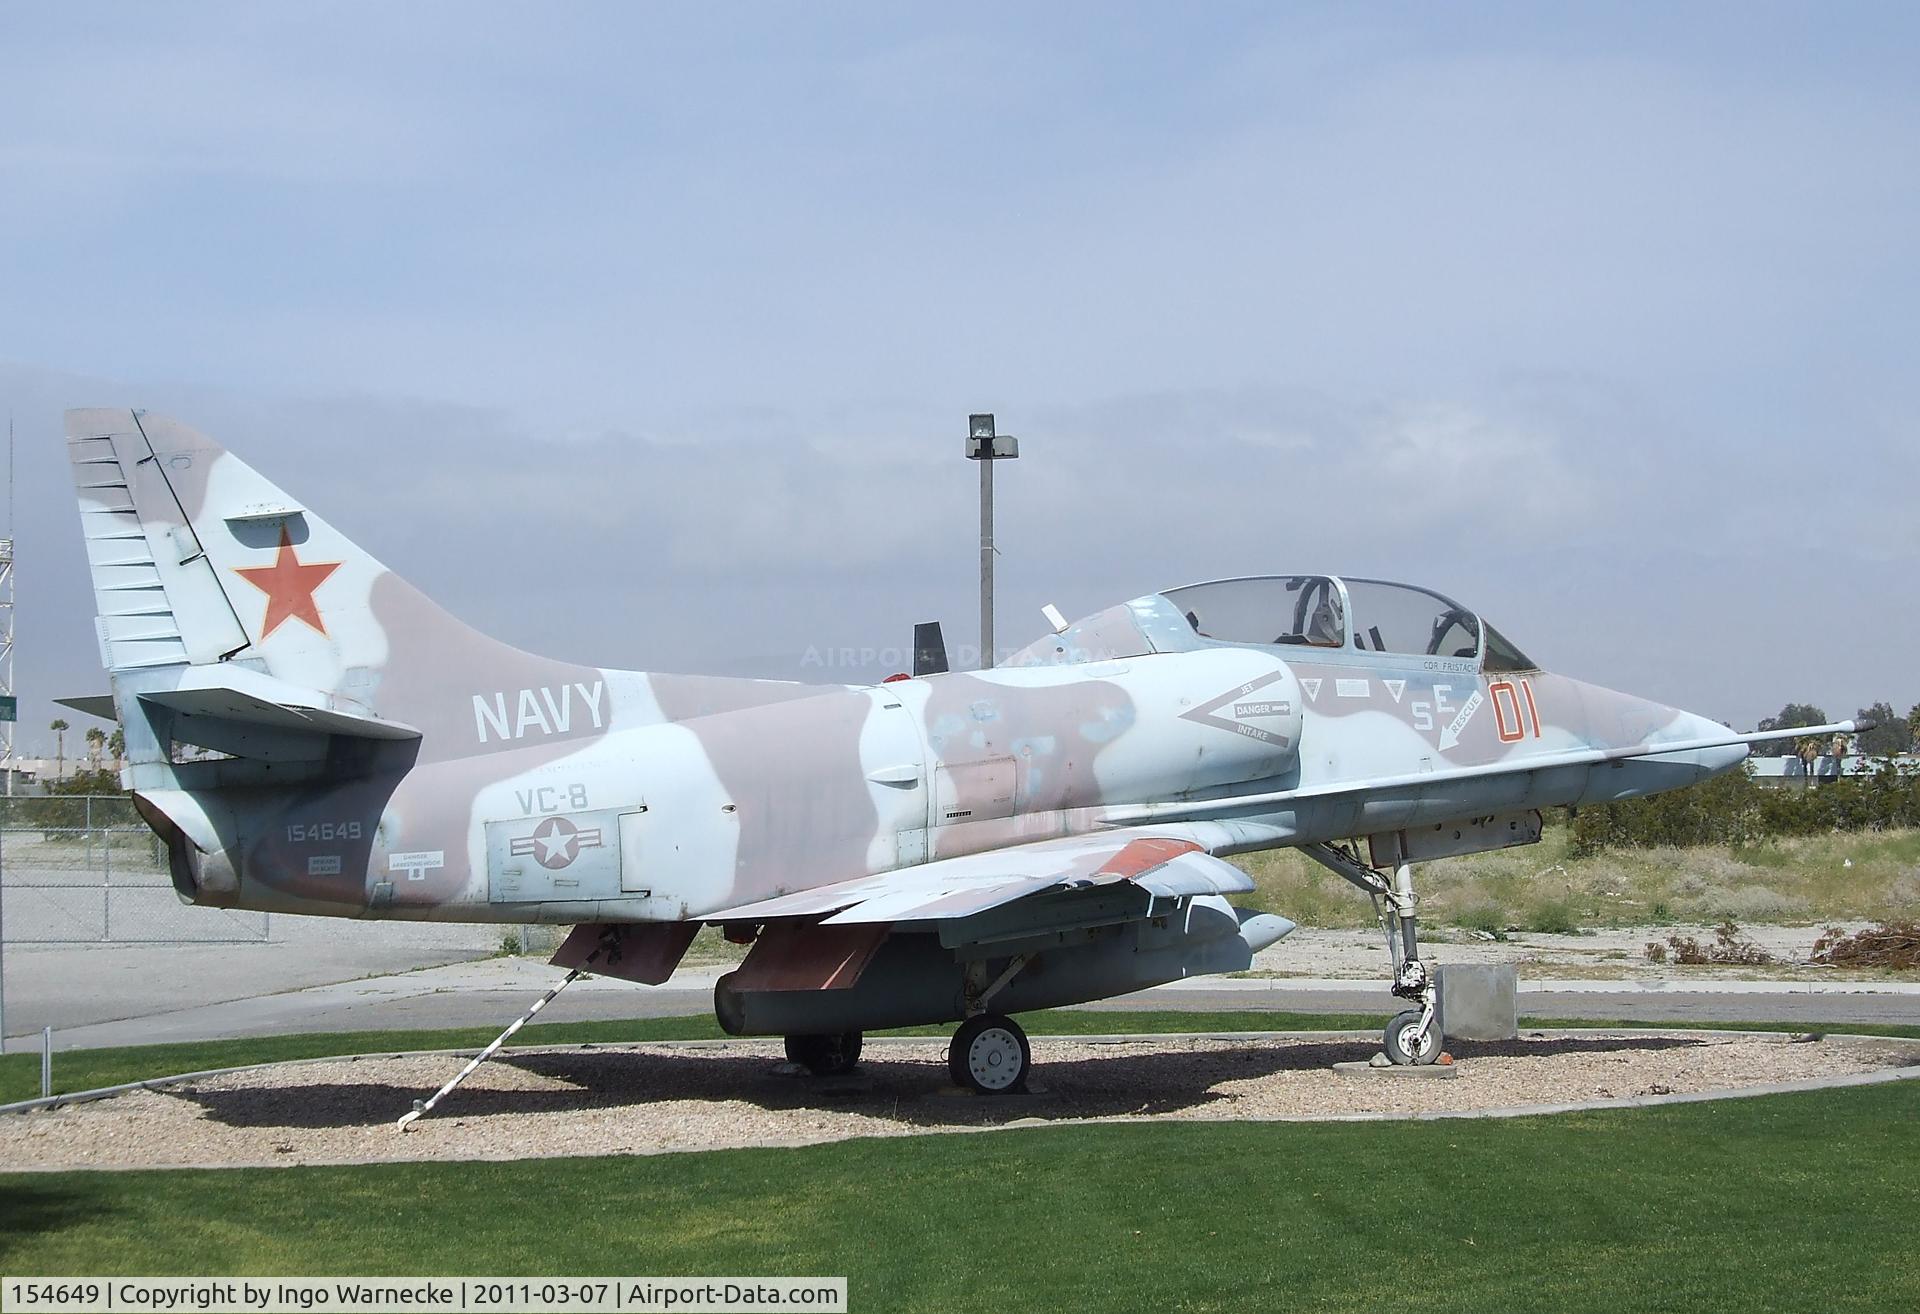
[84,869]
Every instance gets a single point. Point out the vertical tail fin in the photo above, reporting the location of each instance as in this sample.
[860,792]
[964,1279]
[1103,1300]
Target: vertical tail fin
[216,589]
[229,611]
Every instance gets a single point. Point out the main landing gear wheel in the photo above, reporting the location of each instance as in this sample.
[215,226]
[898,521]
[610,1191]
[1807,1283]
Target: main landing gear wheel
[1401,1047]
[825,1056]
[990,1054]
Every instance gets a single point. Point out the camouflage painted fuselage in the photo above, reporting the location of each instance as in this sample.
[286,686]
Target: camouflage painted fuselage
[373,757]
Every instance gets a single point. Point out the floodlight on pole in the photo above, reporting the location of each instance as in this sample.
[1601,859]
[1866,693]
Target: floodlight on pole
[986,447]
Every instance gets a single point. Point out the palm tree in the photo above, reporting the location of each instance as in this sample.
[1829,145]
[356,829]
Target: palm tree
[59,727]
[96,743]
[117,745]
[1809,750]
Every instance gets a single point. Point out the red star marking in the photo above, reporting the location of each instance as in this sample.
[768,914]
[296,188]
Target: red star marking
[289,586]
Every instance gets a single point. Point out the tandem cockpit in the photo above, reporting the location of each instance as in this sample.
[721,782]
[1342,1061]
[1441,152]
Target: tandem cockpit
[1324,614]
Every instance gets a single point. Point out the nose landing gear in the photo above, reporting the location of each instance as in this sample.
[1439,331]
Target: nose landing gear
[1412,1038]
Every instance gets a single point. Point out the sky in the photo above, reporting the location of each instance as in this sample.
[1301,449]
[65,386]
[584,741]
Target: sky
[645,335]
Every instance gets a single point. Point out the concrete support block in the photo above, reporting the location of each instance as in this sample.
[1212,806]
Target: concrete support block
[1479,1002]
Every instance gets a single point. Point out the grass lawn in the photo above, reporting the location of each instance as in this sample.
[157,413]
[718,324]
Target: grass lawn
[1787,1202]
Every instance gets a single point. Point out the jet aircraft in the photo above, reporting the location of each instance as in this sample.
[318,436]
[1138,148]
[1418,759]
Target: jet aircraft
[310,734]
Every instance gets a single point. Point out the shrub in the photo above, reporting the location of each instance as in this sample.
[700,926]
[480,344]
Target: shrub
[1552,917]
[1732,809]
[1752,903]
[1487,917]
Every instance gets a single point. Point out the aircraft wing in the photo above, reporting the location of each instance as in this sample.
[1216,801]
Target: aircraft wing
[1146,813]
[1165,861]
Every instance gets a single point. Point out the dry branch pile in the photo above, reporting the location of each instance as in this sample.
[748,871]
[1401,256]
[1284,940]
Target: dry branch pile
[1890,944]
[1728,948]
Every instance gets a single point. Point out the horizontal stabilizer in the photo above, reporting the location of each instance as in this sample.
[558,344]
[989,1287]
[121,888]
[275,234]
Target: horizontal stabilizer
[100,705]
[236,694]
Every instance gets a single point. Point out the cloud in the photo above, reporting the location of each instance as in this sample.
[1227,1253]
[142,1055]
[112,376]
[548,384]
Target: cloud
[673,320]
[138,118]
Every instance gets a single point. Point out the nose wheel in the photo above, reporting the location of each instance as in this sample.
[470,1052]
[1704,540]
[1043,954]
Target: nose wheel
[990,1055]
[1408,1043]
[1412,1038]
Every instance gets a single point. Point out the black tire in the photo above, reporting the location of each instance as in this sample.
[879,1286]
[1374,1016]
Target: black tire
[990,1055]
[825,1056]
[1397,1048]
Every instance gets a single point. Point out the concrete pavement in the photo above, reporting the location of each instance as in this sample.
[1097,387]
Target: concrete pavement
[73,986]
[1828,1004]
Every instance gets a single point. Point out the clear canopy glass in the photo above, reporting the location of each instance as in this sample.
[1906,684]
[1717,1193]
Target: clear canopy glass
[1365,615]
[1400,618]
[1282,609]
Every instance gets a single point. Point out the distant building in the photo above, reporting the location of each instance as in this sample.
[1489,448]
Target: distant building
[45,769]
[1790,771]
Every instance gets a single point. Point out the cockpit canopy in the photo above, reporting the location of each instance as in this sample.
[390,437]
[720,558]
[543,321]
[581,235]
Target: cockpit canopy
[1286,611]
[1321,611]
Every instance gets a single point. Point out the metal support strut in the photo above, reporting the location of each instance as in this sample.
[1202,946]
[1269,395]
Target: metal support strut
[979,992]
[1411,1037]
[421,1108]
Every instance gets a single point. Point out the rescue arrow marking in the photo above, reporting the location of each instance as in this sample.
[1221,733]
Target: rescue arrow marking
[1451,734]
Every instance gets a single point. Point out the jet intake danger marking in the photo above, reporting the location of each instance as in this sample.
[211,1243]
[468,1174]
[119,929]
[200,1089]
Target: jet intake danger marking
[1281,708]
[1204,714]
[556,842]
[546,710]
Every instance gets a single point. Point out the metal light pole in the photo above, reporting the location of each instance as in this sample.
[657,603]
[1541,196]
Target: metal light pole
[986,447]
[10,707]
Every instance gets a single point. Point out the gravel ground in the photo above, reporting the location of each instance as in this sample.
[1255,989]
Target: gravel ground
[652,1098]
